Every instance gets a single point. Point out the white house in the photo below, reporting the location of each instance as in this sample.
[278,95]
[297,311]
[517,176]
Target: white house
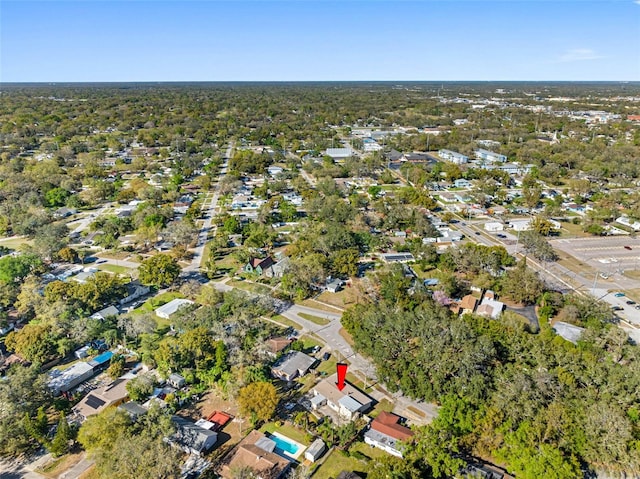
[167,310]
[387,434]
[348,403]
[462,183]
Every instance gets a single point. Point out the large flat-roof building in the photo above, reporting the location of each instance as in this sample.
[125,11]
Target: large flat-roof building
[63,381]
[453,156]
[489,156]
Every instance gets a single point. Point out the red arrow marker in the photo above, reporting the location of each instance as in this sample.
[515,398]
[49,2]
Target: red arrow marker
[342,373]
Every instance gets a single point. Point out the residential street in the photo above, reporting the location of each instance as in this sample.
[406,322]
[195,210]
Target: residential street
[208,219]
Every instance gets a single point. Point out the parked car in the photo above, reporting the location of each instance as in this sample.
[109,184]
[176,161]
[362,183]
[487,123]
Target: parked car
[631,302]
[619,295]
[326,356]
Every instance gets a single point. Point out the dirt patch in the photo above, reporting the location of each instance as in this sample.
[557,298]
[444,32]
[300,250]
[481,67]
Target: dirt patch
[233,431]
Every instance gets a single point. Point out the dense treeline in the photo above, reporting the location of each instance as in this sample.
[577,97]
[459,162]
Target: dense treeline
[538,404]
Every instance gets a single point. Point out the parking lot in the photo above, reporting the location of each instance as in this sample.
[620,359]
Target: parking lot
[608,254]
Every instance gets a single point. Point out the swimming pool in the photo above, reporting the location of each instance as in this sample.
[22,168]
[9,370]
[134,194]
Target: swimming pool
[284,444]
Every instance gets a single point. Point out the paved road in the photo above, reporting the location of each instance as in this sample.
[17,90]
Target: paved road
[208,219]
[76,471]
[83,224]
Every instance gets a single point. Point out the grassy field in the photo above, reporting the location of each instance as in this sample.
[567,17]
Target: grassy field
[157,301]
[286,322]
[569,230]
[314,319]
[114,268]
[312,303]
[250,287]
[339,461]
[384,405]
[575,265]
[342,299]
[14,242]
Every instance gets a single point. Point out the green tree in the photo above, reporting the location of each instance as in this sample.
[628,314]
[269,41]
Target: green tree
[16,268]
[22,392]
[345,261]
[160,270]
[258,401]
[521,284]
[61,442]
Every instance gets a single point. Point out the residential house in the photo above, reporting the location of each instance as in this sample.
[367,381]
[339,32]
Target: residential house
[255,452]
[277,270]
[105,313]
[490,307]
[397,257]
[348,403]
[275,345]
[169,309]
[176,381]
[259,265]
[292,365]
[335,285]
[63,381]
[64,212]
[315,450]
[274,170]
[462,183]
[134,290]
[449,236]
[101,398]
[468,304]
[133,409]
[190,437]
[624,220]
[385,432]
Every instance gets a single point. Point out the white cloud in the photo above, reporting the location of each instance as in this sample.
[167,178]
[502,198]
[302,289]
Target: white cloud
[579,54]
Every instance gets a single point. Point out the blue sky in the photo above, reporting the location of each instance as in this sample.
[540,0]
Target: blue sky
[305,40]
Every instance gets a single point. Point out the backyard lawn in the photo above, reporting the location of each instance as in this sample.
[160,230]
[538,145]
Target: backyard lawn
[337,462]
[286,430]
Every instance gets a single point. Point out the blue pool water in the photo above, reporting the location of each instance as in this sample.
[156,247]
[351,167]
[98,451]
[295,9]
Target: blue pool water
[282,443]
